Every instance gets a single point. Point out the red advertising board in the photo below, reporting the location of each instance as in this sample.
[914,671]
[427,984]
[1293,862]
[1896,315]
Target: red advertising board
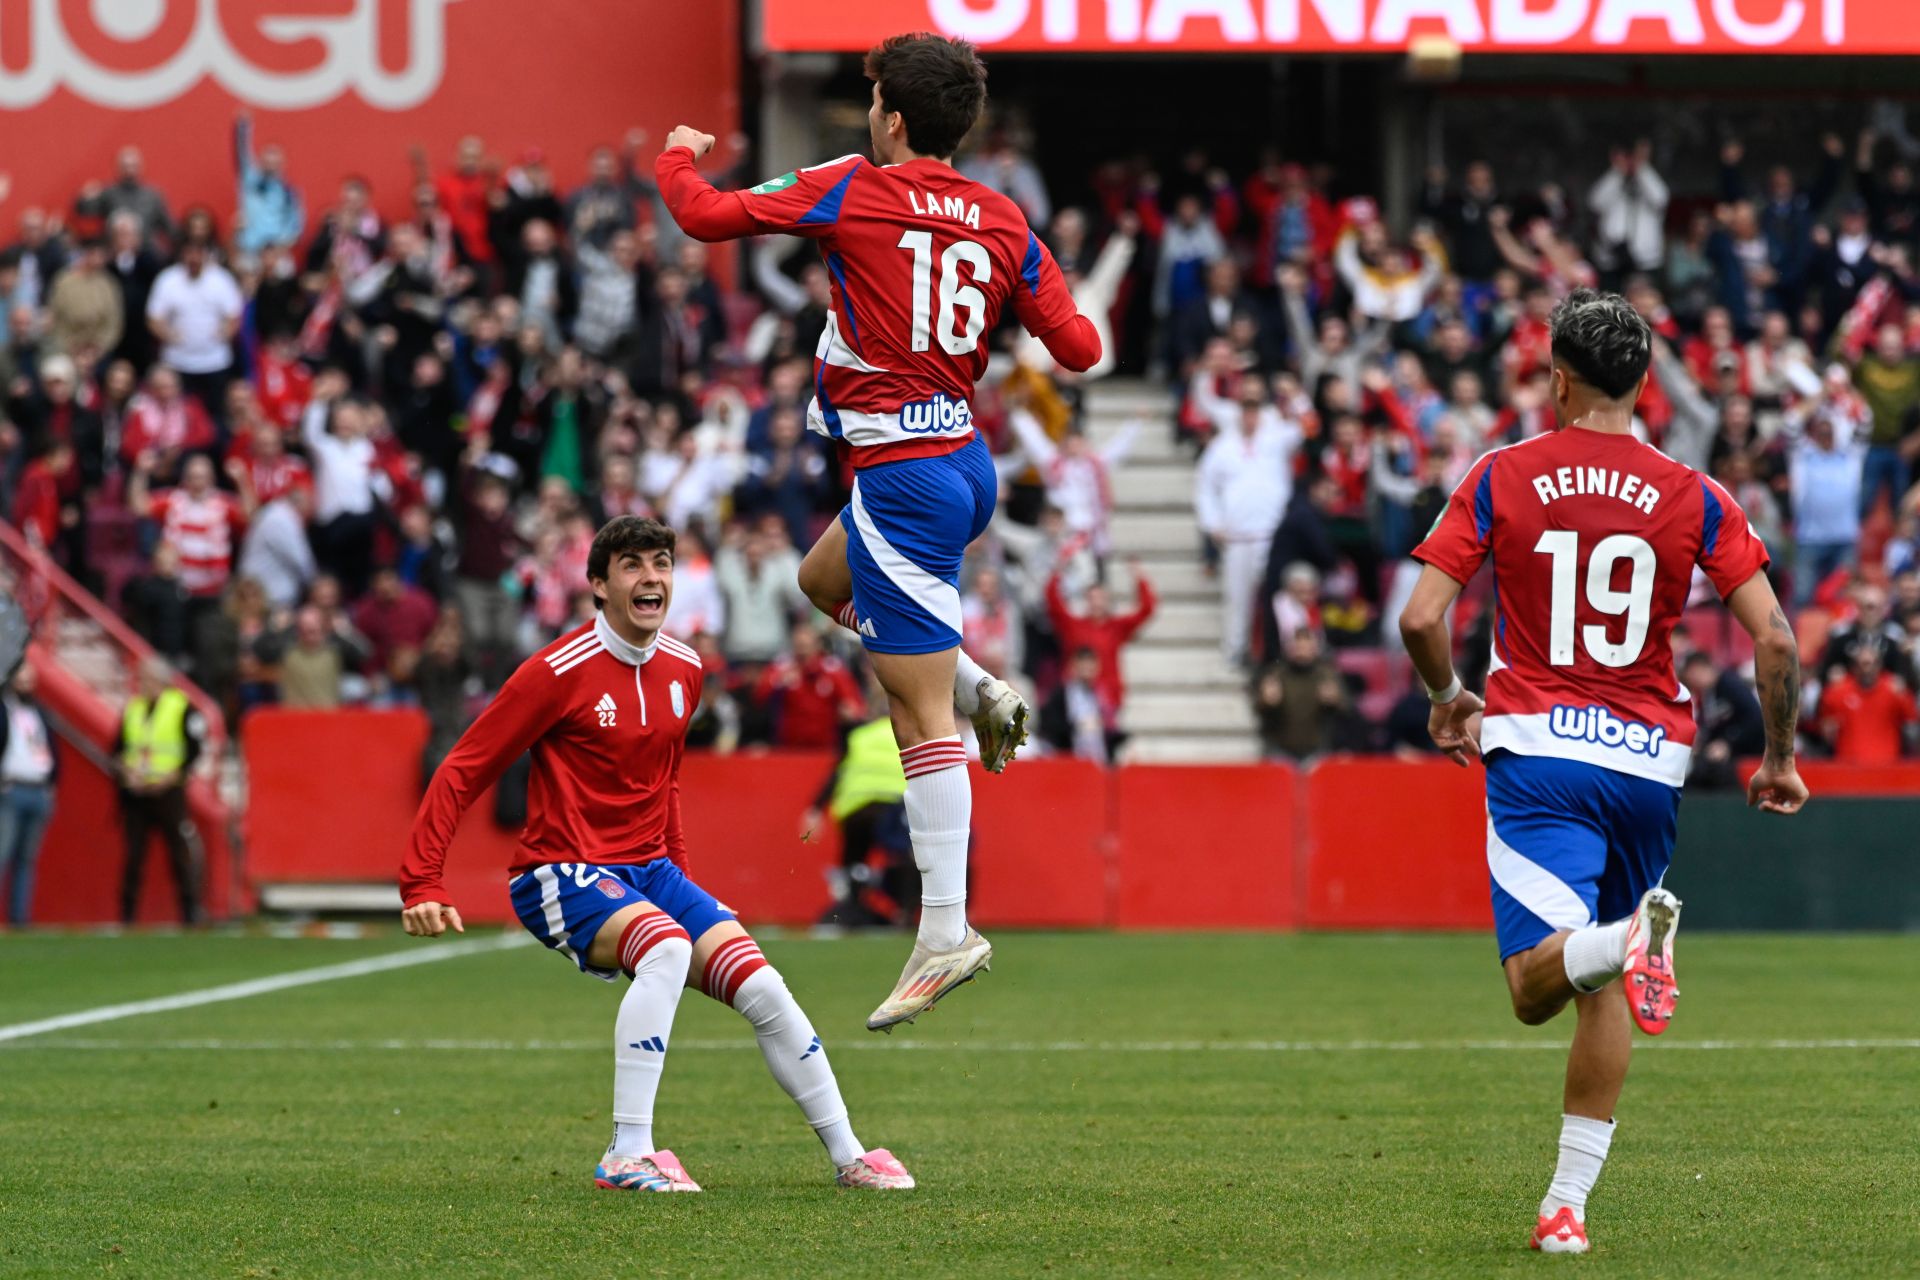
[346,86]
[1358,26]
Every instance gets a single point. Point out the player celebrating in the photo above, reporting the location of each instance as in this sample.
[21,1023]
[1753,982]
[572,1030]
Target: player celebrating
[601,872]
[1586,732]
[922,262]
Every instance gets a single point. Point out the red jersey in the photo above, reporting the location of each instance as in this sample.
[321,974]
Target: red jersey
[271,477]
[922,262]
[1867,720]
[179,425]
[203,531]
[1105,636]
[607,724]
[284,387]
[810,699]
[1593,537]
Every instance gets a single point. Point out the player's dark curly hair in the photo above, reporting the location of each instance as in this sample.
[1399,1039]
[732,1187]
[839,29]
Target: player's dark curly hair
[1602,340]
[937,85]
[626,536]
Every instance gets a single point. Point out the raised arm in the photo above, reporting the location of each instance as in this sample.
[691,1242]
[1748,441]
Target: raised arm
[1689,437]
[1775,786]
[805,202]
[1040,450]
[1047,310]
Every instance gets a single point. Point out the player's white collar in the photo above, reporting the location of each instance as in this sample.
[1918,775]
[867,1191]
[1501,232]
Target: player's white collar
[631,654]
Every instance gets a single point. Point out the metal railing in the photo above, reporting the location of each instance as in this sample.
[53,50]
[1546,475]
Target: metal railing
[55,604]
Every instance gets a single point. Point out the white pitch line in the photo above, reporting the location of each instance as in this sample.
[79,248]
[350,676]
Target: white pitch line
[980,1046]
[262,986]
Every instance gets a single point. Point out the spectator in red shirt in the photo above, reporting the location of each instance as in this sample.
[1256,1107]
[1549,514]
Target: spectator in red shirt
[259,462]
[1866,712]
[285,382]
[165,425]
[38,507]
[1100,629]
[396,620]
[463,193]
[809,694]
[200,521]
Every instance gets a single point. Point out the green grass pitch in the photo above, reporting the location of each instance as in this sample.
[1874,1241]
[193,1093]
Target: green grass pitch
[1102,1105]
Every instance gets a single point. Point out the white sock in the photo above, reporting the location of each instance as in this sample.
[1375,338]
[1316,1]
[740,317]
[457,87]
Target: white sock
[1583,1152]
[797,1060]
[967,676]
[1596,955]
[940,818]
[640,1033]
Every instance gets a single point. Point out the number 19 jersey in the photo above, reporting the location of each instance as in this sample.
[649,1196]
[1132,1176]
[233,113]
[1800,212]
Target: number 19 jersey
[1593,537]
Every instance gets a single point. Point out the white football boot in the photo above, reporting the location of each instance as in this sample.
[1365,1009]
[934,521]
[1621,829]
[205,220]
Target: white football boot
[1000,723]
[929,975]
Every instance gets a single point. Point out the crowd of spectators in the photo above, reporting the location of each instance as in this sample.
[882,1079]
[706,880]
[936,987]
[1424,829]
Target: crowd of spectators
[1336,381]
[321,456]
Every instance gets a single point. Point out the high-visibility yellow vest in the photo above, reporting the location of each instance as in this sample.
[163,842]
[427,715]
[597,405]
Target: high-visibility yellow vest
[871,772]
[155,735]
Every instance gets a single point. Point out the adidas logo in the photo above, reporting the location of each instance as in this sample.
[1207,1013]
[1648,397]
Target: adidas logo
[866,629]
[811,1049]
[653,1044]
[607,710]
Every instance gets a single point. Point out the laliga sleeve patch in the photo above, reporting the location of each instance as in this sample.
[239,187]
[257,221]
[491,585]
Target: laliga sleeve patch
[772,185]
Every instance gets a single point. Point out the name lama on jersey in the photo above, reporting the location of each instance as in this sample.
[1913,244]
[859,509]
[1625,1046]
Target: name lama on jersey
[1597,724]
[955,207]
[941,413]
[1569,481]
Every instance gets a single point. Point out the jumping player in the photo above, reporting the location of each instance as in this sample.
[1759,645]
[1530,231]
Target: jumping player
[1587,732]
[922,262]
[601,873]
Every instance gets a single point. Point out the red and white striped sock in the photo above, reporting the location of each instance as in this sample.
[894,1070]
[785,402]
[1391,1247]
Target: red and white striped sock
[846,617]
[940,819]
[732,963]
[654,952]
[796,1058]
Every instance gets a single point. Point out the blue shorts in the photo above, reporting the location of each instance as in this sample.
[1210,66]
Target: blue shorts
[1571,844]
[907,528]
[564,904]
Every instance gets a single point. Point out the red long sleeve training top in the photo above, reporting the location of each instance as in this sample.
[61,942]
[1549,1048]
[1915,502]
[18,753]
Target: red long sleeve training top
[607,724]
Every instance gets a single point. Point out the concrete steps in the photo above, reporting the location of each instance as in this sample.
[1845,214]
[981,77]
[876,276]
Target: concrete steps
[1184,702]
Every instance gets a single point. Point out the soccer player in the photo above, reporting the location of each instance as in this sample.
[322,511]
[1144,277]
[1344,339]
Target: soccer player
[601,873]
[1586,731]
[922,263]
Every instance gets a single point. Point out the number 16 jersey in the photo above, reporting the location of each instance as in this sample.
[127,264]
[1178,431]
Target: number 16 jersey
[920,262]
[1593,538]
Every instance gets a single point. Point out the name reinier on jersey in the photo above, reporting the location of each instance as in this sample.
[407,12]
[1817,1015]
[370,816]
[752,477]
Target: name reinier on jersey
[921,262]
[1593,538]
[607,726]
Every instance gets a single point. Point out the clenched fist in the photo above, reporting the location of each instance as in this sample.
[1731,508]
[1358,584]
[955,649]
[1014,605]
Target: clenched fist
[691,138]
[431,919]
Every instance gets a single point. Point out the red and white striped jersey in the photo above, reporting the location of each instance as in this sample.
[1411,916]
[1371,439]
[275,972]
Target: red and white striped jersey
[922,262]
[202,530]
[607,724]
[1593,537]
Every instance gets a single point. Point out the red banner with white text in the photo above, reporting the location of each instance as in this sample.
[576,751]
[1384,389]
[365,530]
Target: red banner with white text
[346,87]
[1358,26]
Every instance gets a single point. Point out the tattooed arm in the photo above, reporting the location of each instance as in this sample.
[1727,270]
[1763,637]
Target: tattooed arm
[1775,787]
